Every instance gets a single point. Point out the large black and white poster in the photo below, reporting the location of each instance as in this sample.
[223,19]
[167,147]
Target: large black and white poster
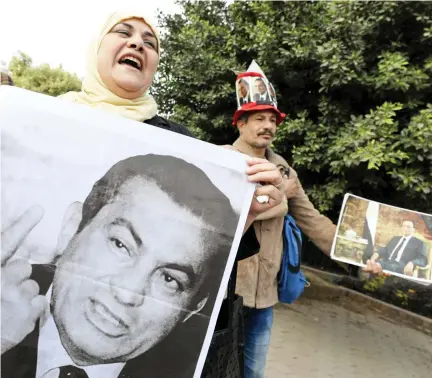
[118,239]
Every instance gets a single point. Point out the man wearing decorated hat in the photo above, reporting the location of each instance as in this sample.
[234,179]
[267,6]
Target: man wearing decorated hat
[257,122]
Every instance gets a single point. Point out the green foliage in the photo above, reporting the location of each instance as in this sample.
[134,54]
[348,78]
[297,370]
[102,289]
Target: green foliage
[395,73]
[375,283]
[353,77]
[43,79]
[403,297]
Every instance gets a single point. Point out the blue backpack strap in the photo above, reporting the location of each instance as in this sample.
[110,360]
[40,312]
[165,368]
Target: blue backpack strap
[293,243]
[291,279]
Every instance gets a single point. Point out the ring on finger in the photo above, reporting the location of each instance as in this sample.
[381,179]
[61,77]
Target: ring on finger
[263,198]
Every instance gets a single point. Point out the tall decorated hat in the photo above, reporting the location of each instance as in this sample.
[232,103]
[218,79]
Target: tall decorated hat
[255,92]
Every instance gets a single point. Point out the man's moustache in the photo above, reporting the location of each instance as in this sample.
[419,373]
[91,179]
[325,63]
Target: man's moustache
[266,133]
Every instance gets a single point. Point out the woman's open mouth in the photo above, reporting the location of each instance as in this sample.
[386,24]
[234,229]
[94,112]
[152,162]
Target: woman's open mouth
[131,61]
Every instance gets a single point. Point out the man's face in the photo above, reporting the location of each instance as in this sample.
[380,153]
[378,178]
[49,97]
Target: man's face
[260,87]
[130,276]
[407,228]
[259,130]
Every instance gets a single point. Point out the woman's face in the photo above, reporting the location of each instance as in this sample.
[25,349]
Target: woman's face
[128,58]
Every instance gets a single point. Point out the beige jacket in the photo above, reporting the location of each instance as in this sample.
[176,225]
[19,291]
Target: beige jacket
[257,275]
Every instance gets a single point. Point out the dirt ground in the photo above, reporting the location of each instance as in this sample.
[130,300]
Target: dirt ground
[319,339]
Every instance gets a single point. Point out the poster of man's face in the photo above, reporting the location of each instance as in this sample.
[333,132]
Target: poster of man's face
[243,91]
[117,241]
[261,92]
[273,94]
[399,240]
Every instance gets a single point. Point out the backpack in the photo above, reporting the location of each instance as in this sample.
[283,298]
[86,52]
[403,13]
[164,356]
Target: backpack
[291,282]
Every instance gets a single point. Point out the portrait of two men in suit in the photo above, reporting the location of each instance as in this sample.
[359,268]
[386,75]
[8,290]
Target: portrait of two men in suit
[394,240]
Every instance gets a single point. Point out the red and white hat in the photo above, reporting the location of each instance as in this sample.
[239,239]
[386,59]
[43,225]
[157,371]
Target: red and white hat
[255,92]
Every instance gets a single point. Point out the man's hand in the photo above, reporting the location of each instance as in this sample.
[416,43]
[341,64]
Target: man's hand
[373,267]
[291,186]
[268,175]
[21,304]
[409,269]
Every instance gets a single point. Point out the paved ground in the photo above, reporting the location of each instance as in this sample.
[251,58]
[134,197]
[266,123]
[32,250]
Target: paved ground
[318,339]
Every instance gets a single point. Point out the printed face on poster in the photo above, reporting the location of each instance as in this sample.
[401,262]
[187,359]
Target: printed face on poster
[400,240]
[129,231]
